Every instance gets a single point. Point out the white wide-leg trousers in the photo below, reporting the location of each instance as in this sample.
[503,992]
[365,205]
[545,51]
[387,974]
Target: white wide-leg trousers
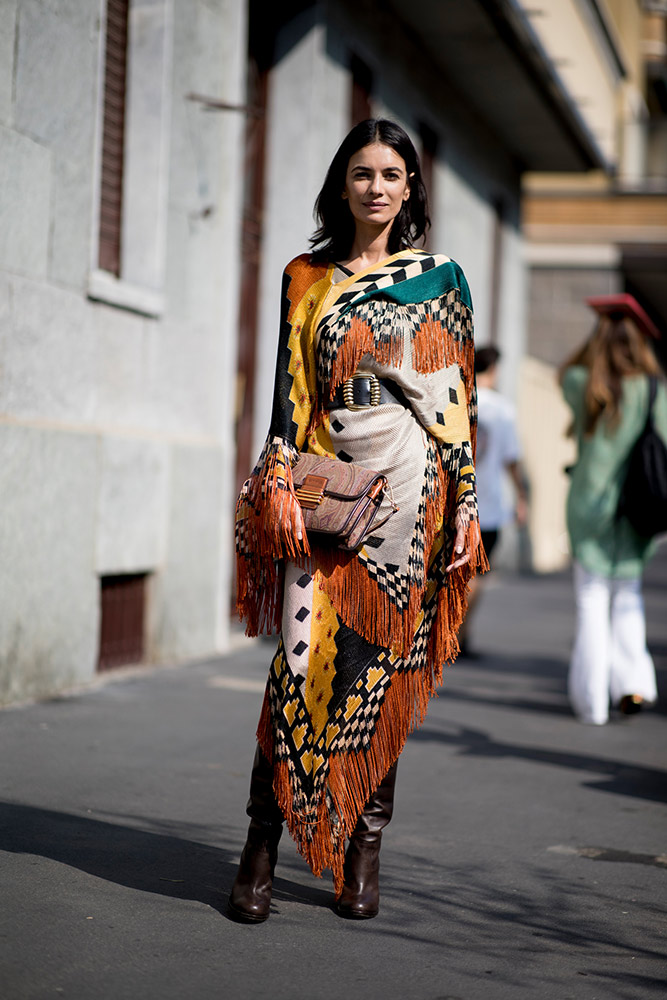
[609,658]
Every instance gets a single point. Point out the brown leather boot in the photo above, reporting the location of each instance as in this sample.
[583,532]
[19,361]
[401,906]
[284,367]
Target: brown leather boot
[250,898]
[360,898]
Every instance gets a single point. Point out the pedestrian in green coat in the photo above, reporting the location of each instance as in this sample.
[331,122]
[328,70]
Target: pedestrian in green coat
[606,385]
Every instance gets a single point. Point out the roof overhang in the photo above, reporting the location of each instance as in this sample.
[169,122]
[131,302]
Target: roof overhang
[488,54]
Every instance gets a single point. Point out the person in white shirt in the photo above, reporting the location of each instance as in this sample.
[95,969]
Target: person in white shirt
[498,454]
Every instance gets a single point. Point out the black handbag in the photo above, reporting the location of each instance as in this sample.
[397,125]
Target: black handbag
[643,498]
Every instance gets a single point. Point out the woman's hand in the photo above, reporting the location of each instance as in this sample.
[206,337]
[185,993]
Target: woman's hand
[459,556]
[300,527]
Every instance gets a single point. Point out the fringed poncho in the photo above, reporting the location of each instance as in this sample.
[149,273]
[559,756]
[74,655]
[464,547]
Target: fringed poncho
[363,635]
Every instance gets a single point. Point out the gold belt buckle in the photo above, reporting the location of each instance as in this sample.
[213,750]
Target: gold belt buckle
[348,391]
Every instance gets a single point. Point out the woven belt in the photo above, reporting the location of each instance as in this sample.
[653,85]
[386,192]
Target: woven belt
[364,390]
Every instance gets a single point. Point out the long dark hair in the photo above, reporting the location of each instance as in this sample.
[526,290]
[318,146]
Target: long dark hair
[616,348]
[333,239]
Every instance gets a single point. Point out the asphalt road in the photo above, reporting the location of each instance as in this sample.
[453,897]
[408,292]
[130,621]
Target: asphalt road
[526,858]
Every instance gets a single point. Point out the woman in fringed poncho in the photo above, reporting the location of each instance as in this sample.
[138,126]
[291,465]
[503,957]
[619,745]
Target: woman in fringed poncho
[364,635]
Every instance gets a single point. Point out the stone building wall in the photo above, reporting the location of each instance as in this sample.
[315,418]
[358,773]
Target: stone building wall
[116,395]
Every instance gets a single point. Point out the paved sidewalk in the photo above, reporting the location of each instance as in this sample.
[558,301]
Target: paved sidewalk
[526,858]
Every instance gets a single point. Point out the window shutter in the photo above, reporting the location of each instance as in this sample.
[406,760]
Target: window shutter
[113,132]
[122,620]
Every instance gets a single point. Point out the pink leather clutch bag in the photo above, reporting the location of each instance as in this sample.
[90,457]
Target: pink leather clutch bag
[340,501]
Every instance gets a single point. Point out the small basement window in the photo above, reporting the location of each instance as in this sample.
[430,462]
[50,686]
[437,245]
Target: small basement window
[122,620]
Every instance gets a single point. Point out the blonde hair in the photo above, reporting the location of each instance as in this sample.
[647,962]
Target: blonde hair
[616,348]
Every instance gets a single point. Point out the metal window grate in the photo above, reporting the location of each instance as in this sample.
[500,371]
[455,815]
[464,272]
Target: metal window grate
[122,624]
[113,135]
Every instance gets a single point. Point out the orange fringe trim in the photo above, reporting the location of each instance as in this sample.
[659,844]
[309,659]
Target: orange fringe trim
[353,777]
[359,340]
[273,516]
[434,348]
[431,351]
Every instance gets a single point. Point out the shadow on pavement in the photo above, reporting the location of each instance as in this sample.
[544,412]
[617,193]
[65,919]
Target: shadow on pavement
[509,699]
[473,910]
[151,862]
[451,906]
[549,672]
[532,666]
[619,777]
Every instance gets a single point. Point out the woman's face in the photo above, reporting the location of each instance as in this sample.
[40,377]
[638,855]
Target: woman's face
[376,184]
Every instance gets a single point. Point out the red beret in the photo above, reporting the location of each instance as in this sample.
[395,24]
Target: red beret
[622,304]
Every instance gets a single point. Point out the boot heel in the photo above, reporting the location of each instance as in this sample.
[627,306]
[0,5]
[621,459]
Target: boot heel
[360,896]
[250,899]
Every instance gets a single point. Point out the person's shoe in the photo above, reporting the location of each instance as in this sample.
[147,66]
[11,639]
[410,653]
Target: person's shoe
[630,704]
[360,896]
[250,898]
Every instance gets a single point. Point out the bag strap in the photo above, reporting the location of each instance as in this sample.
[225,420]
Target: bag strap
[389,493]
[652,393]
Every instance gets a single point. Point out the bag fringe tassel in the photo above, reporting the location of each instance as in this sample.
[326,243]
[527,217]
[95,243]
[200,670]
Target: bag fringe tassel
[271,516]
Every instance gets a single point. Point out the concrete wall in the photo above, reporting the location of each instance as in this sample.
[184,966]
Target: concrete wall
[116,443]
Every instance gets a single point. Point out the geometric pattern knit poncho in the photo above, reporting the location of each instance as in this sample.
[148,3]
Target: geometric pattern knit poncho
[364,635]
